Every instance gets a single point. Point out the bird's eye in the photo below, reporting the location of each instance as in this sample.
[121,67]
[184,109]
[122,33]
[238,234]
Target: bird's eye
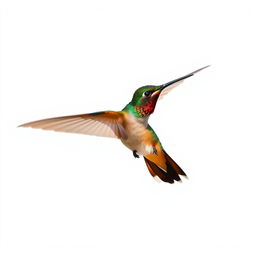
[147,93]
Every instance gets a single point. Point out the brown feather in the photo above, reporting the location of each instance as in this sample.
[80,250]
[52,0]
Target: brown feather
[162,165]
[158,171]
[105,124]
[173,165]
[149,168]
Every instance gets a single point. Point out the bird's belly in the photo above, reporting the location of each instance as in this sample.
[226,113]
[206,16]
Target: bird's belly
[138,139]
[138,145]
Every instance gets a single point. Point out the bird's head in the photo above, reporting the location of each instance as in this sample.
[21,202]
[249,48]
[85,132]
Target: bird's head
[145,98]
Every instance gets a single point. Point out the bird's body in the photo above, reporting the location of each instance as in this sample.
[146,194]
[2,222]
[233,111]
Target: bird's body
[129,125]
[139,136]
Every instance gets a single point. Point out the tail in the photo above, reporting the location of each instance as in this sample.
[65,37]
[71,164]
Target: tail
[163,166]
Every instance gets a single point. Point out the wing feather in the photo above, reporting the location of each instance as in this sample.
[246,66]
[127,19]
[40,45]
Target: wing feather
[105,124]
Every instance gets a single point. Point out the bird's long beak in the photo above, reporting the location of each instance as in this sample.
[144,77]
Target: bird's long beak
[175,82]
[163,86]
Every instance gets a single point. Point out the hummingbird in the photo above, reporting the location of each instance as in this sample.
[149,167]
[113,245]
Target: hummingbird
[130,125]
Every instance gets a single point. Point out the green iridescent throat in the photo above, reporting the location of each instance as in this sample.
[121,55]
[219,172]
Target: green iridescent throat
[140,111]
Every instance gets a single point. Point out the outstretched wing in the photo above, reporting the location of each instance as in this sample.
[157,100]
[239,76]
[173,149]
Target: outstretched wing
[104,124]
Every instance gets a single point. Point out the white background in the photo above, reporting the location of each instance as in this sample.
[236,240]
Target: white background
[68,194]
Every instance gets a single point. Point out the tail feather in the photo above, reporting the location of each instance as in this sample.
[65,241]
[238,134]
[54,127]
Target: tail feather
[151,171]
[173,165]
[168,174]
[157,171]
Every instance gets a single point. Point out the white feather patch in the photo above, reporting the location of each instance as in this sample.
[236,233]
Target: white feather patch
[149,149]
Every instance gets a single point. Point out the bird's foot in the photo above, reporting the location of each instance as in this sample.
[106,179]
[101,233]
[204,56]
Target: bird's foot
[154,150]
[135,154]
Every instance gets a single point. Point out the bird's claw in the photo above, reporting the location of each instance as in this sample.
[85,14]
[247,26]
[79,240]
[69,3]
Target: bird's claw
[135,154]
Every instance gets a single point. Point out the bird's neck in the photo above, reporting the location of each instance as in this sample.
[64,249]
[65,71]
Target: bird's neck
[137,114]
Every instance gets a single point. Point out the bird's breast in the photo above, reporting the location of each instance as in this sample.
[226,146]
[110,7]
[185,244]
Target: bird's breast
[139,137]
